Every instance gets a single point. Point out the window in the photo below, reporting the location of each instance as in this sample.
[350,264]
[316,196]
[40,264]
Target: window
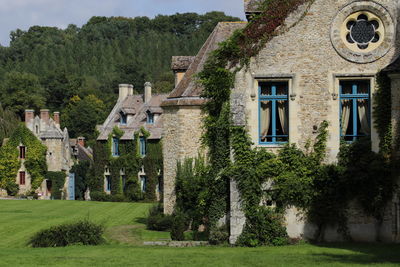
[115,147]
[123,118]
[142,146]
[108,183]
[150,117]
[22,178]
[22,152]
[355,114]
[160,185]
[123,177]
[143,181]
[273,112]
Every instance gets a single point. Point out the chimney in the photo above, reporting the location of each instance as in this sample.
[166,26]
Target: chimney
[29,115]
[147,92]
[124,91]
[81,141]
[56,117]
[45,115]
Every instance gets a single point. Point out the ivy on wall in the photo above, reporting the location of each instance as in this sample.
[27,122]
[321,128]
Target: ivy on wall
[295,177]
[130,162]
[57,183]
[35,160]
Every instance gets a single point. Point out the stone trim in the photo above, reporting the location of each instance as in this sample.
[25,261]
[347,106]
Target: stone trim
[370,56]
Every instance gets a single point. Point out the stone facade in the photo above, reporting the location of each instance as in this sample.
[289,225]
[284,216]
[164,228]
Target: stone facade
[306,56]
[181,140]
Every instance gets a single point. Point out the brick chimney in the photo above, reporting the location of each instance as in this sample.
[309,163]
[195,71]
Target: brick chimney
[147,92]
[29,115]
[81,141]
[45,115]
[56,118]
[124,91]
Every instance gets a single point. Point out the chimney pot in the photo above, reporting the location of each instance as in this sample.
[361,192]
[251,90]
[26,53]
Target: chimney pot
[147,92]
[29,115]
[81,141]
[56,117]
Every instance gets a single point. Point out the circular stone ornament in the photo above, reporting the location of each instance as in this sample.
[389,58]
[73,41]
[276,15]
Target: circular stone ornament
[363,32]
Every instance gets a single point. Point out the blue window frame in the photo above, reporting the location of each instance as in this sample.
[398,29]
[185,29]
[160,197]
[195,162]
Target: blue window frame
[143,183]
[115,147]
[150,117]
[273,112]
[355,115]
[108,183]
[142,146]
[123,118]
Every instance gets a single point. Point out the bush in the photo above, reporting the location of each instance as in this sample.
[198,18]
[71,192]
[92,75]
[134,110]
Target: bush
[179,226]
[219,236]
[12,188]
[158,221]
[79,233]
[266,227]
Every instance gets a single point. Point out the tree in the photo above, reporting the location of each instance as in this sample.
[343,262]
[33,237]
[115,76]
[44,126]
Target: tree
[82,115]
[21,91]
[8,123]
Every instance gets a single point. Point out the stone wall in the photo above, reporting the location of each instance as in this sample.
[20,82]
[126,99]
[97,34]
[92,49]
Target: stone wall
[305,56]
[55,154]
[181,139]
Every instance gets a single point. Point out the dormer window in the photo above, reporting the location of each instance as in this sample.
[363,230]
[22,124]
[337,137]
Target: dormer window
[123,118]
[150,117]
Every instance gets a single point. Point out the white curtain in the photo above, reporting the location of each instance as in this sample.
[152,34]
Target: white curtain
[362,115]
[283,116]
[346,109]
[265,120]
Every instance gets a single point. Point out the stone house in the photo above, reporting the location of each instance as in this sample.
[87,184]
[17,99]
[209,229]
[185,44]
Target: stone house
[58,156]
[131,114]
[322,66]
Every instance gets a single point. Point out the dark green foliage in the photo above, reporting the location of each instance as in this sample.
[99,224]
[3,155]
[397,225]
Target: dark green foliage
[382,110]
[81,170]
[103,197]
[180,224]
[219,236]
[157,220]
[78,233]
[9,121]
[153,167]
[264,227]
[57,183]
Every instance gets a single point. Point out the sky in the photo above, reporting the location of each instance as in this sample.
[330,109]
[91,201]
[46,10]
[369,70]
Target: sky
[22,14]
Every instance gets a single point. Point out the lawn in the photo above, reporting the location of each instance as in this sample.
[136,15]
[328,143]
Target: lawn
[125,234]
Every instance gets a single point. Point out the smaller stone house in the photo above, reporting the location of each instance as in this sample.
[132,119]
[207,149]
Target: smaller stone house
[58,156]
[132,114]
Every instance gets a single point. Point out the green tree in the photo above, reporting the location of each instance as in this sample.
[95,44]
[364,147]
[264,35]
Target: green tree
[8,123]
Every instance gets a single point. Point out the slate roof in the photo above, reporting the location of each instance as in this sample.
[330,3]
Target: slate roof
[137,108]
[188,91]
[81,153]
[181,62]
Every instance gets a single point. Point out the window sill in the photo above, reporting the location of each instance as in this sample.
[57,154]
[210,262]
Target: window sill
[277,145]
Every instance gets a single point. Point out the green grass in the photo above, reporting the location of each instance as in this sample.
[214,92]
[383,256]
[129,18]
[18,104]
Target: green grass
[125,232]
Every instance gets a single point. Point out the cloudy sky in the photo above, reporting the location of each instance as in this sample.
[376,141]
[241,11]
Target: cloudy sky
[22,14]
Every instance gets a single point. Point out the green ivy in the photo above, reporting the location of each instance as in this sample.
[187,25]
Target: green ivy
[35,159]
[57,183]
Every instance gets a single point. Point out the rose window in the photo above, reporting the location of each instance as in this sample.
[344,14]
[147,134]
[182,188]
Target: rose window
[363,32]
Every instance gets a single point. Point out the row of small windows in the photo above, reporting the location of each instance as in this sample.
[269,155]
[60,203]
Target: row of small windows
[142,180]
[123,118]
[355,117]
[115,146]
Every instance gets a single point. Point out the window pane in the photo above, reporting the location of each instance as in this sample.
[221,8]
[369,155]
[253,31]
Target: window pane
[265,120]
[281,88]
[265,89]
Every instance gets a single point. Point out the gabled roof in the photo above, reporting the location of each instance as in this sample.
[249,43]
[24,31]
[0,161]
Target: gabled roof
[188,91]
[138,118]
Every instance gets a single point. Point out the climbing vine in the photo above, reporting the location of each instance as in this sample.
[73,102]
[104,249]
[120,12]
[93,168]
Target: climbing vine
[35,160]
[127,165]
[292,177]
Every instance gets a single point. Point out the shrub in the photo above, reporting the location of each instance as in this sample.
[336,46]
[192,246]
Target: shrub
[179,226]
[219,235]
[103,197]
[157,220]
[12,188]
[79,233]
